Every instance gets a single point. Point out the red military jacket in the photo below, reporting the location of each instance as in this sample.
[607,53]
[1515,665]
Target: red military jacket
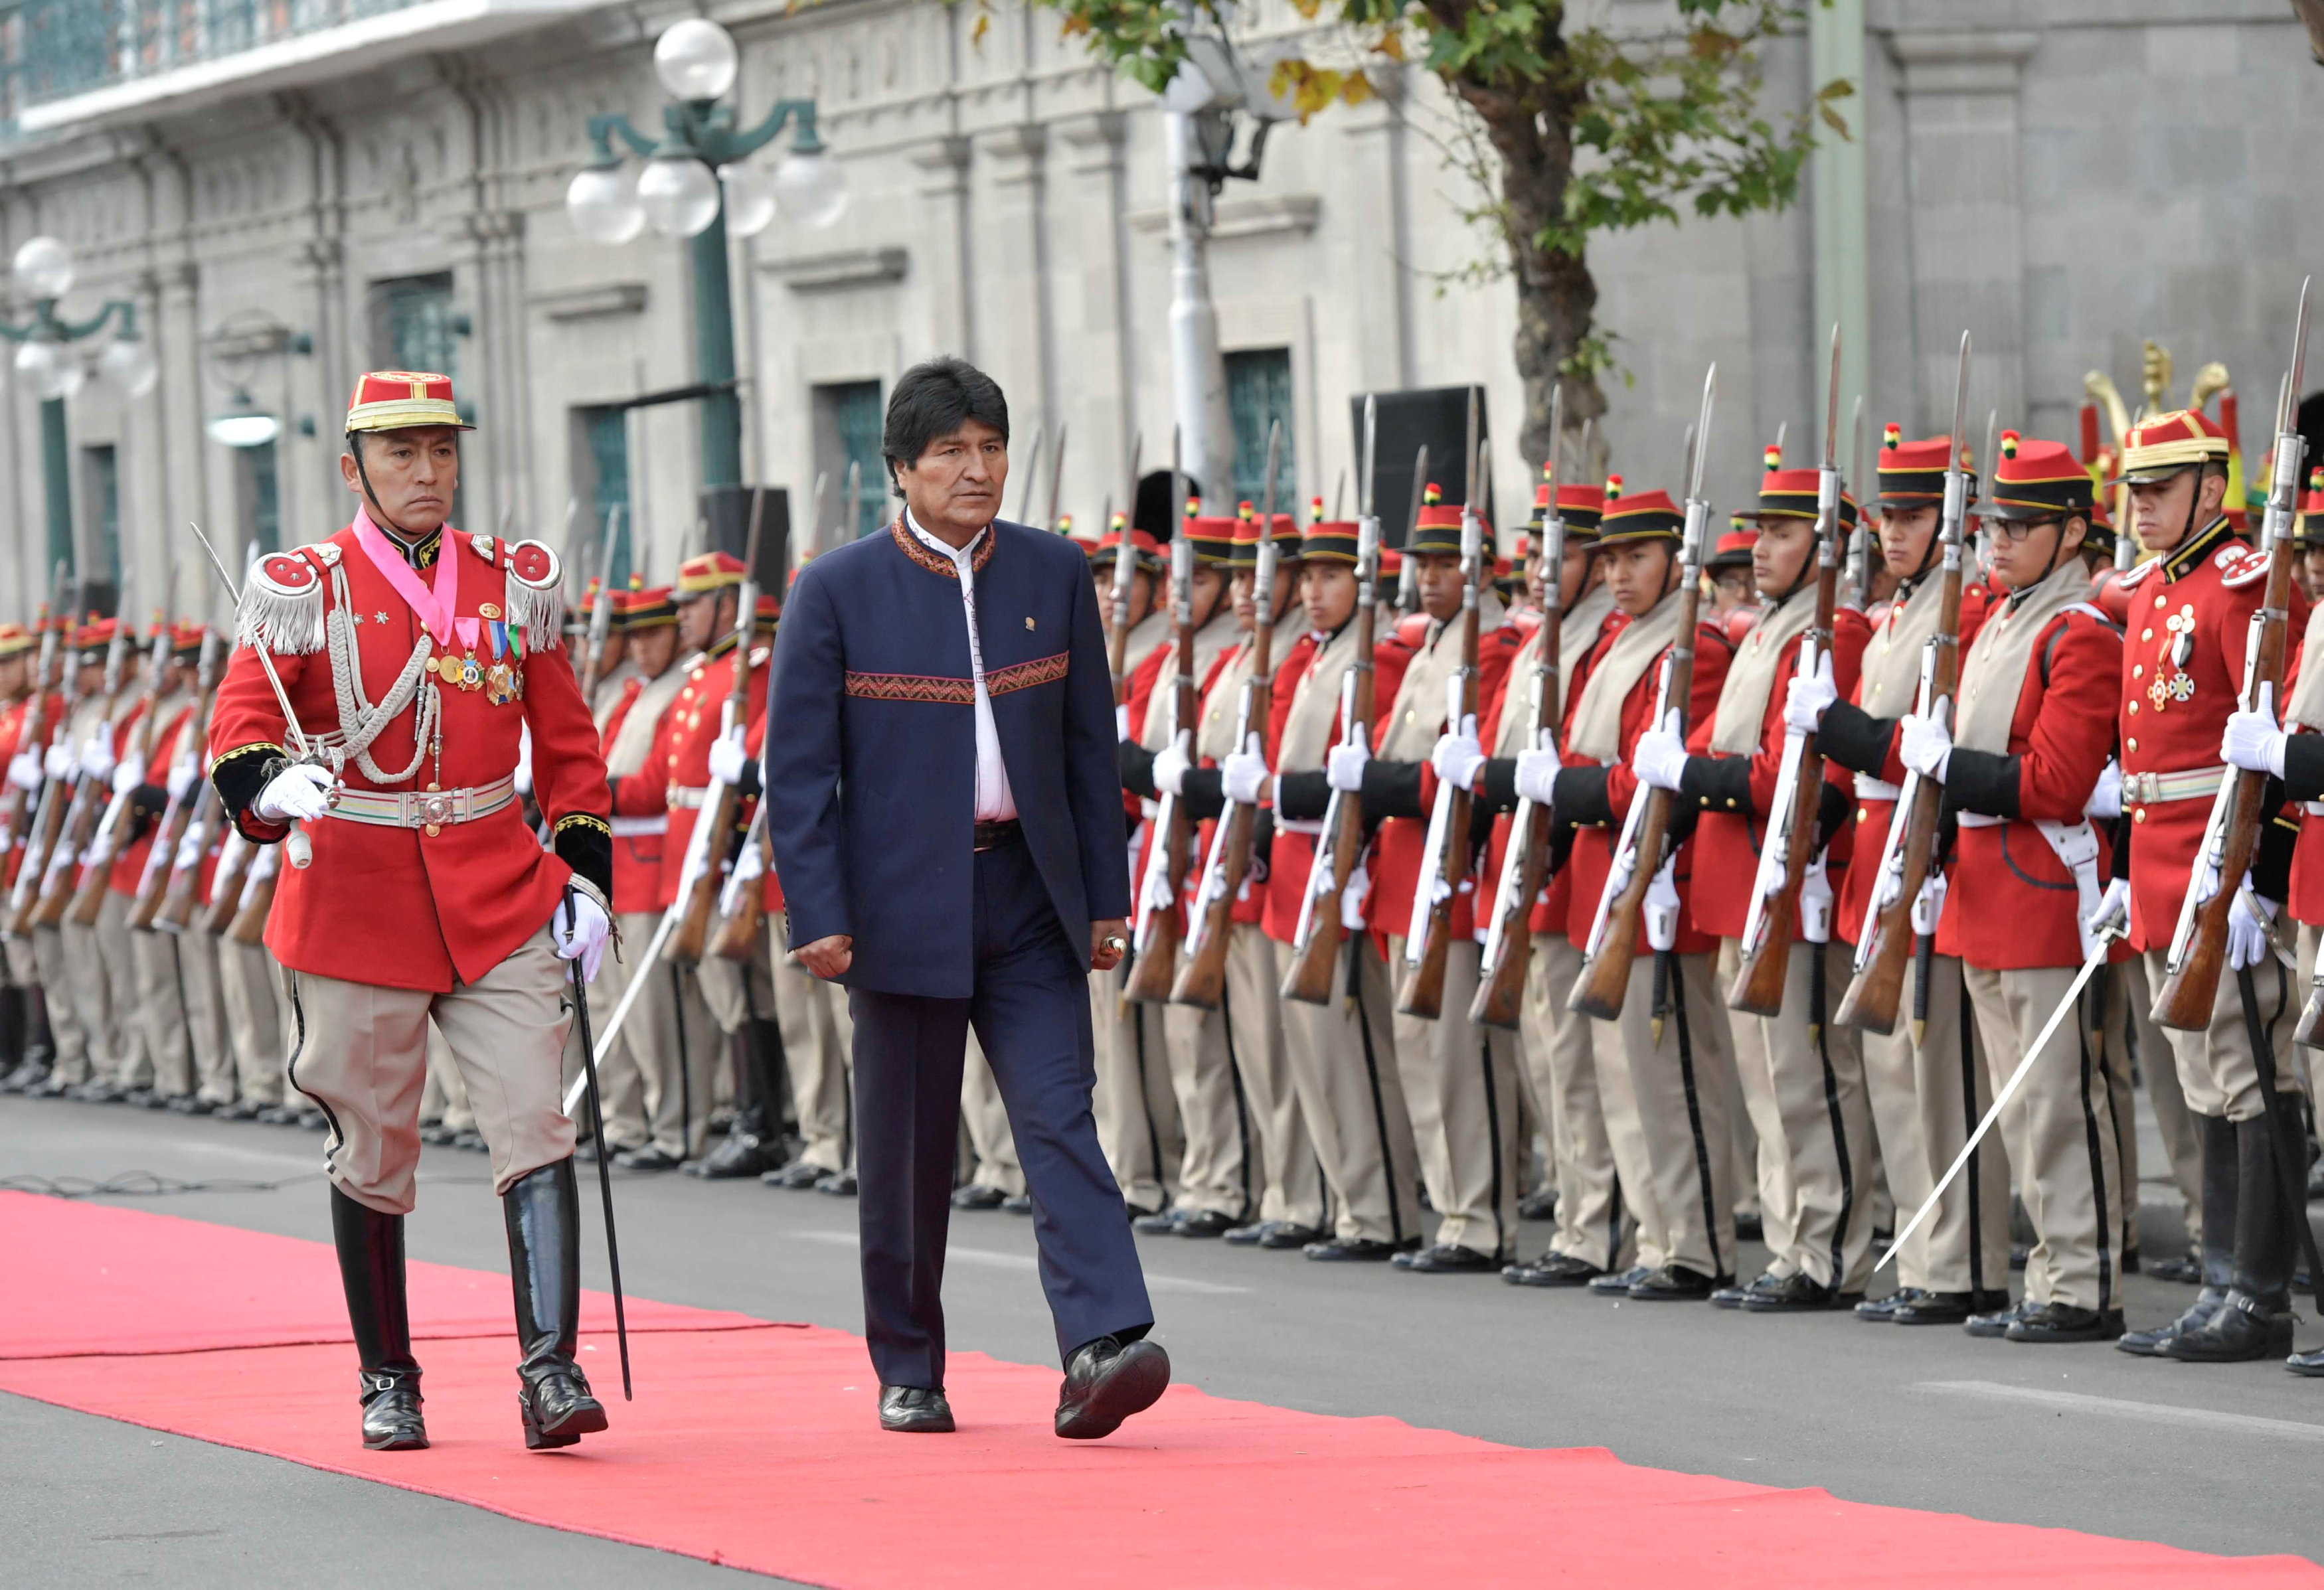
[1555,904]
[1593,845]
[12,741]
[1729,833]
[128,869]
[2182,666]
[677,774]
[637,857]
[404,907]
[2010,902]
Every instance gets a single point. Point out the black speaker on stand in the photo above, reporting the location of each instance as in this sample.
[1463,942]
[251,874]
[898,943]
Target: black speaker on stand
[727,510]
[1436,417]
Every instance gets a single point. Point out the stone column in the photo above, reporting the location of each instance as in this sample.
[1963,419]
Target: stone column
[1021,354]
[1377,343]
[1099,381]
[944,193]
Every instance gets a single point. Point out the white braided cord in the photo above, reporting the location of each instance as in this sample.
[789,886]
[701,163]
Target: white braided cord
[360,722]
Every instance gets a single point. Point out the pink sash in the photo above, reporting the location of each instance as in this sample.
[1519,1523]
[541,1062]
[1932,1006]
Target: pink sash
[435,609]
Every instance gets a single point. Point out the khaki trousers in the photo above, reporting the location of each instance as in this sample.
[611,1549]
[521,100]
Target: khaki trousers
[1681,1086]
[1136,1106]
[249,983]
[1573,1107]
[103,983]
[1813,1112]
[2182,1144]
[1292,1180]
[160,1013]
[1218,1170]
[445,1084]
[734,992]
[991,1142]
[62,989]
[366,1052]
[1461,1084]
[628,1078]
[2219,1070]
[2060,1131]
[1343,1068]
[206,1022]
[818,1049]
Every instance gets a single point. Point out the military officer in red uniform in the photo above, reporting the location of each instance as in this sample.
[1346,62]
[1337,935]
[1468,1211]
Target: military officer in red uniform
[414,655]
[26,1050]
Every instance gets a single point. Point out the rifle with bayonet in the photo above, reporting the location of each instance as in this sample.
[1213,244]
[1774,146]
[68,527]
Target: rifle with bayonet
[2199,943]
[1202,980]
[1524,860]
[113,828]
[177,817]
[1886,942]
[1125,570]
[1444,861]
[1056,479]
[1860,550]
[1790,844]
[1407,572]
[601,613]
[1315,941]
[56,884]
[31,735]
[1613,942]
[712,837]
[1155,938]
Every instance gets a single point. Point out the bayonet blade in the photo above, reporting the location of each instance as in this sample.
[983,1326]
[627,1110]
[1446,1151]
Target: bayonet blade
[1469,486]
[1364,470]
[2299,348]
[1056,477]
[1703,434]
[1556,436]
[1960,406]
[1831,406]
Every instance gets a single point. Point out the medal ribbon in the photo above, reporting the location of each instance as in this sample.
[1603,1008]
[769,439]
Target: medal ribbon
[435,609]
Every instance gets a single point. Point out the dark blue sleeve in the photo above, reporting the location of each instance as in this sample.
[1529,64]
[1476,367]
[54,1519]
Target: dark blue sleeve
[1092,776]
[805,688]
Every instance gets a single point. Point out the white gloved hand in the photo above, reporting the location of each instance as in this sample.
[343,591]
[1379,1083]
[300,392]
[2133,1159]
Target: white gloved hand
[1244,773]
[1121,723]
[1659,759]
[2248,942]
[189,850]
[1538,772]
[1928,905]
[1924,746]
[2112,913]
[24,771]
[96,755]
[1458,756]
[59,761]
[183,777]
[1343,770]
[298,791]
[750,862]
[2105,794]
[1807,696]
[522,779]
[1170,764]
[2251,741]
[580,932]
[727,757]
[129,774]
[1353,898]
[1661,907]
[1815,902]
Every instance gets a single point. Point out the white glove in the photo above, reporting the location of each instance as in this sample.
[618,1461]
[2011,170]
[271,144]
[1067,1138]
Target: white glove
[2112,913]
[129,774]
[1343,770]
[2251,741]
[522,779]
[298,791]
[1929,905]
[59,761]
[190,848]
[580,935]
[1244,773]
[2248,942]
[2105,794]
[1538,772]
[24,771]
[1458,756]
[1661,907]
[1659,759]
[1353,899]
[1807,696]
[183,777]
[1121,723]
[1170,764]
[727,757]
[1815,902]
[750,862]
[96,755]
[1924,746]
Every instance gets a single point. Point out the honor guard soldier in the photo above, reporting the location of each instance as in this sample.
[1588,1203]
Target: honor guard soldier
[176,1009]
[1681,1071]
[410,656]
[1922,1078]
[104,968]
[1801,1074]
[2191,608]
[26,1052]
[82,1060]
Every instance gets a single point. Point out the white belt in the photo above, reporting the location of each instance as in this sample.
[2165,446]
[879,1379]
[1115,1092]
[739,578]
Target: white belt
[631,827]
[686,798]
[422,808]
[2313,808]
[2154,789]
[1868,788]
[1978,820]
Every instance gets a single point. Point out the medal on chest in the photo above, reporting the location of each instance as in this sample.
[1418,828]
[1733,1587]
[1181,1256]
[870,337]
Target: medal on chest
[2172,682]
[464,673]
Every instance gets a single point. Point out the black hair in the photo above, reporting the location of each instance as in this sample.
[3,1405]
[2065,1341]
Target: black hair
[935,398]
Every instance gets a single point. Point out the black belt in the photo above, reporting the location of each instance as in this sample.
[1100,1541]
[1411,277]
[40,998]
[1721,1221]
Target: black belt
[992,836]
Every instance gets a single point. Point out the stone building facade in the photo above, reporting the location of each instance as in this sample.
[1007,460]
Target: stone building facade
[2063,178]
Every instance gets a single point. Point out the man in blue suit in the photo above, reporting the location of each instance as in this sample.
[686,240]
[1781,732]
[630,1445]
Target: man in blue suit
[946,814]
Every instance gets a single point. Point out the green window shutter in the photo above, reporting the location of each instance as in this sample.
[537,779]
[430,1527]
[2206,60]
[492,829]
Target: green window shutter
[1258,393]
[860,415]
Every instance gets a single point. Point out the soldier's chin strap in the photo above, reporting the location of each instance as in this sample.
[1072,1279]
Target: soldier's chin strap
[355,446]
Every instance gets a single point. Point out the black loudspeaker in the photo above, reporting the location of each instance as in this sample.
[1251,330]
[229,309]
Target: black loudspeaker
[1155,513]
[727,510]
[1436,417]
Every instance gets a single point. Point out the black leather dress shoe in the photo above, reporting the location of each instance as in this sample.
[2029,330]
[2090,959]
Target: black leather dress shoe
[801,1175]
[970,1197]
[1248,1234]
[144,1098]
[1794,1294]
[1280,1235]
[1106,1382]
[1203,1223]
[1362,1250]
[1939,1308]
[1161,1223]
[391,1421]
[743,1152]
[2150,1342]
[282,1115]
[2245,1326]
[915,1410]
[2184,1270]
[1878,1310]
[1449,1259]
[1617,1284]
[1731,1297]
[246,1110]
[838,1184]
[2311,1365]
[186,1104]
[648,1158]
[1995,1324]
[2063,1322]
[1541,1204]
[1022,1204]
[1677,1283]
[1552,1269]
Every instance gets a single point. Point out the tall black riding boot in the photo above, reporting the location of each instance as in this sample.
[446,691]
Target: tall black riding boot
[544,1236]
[2216,1136]
[371,1268]
[2253,1321]
[751,1147]
[18,1070]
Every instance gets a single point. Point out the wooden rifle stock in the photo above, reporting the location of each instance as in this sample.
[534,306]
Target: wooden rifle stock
[249,924]
[184,883]
[697,902]
[236,857]
[112,820]
[154,883]
[737,938]
[1500,995]
[1316,962]
[1157,931]
[1605,980]
[32,735]
[1202,980]
[1156,965]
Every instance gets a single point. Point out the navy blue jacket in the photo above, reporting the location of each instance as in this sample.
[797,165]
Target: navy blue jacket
[872,749]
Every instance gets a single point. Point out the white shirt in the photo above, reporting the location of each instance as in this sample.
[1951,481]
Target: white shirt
[994,803]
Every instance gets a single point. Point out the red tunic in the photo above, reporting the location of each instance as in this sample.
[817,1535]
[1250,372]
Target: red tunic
[677,774]
[129,864]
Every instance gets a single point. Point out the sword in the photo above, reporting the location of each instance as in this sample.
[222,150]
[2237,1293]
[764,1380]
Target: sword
[296,847]
[597,1126]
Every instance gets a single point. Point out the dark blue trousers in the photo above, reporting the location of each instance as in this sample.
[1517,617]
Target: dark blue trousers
[1031,1013]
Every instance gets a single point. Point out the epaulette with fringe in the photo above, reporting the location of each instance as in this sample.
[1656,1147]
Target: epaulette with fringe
[282,602]
[534,589]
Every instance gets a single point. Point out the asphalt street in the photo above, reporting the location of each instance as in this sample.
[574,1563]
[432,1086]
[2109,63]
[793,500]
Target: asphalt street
[2212,1459]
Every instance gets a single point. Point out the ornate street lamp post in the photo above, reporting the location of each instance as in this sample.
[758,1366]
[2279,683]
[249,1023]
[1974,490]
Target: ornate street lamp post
[694,185]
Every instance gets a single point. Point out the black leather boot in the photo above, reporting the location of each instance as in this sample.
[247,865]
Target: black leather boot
[752,1144]
[544,1236]
[2216,1136]
[2253,1321]
[16,1073]
[371,1269]
[39,1042]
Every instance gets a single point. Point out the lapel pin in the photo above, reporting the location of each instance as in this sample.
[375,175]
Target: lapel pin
[1029,621]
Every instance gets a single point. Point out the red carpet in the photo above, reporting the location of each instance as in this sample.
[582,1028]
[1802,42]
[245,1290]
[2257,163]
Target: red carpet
[756,1447]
